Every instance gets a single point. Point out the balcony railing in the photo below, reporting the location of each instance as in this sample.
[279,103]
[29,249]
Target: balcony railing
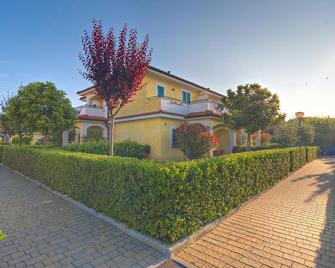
[93,110]
[177,106]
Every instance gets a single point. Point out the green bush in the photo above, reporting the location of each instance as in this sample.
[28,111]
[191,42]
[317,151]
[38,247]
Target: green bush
[311,153]
[126,148]
[25,139]
[242,149]
[130,148]
[164,200]
[298,158]
[94,147]
[2,235]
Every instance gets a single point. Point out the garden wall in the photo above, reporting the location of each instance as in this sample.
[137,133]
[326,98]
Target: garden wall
[164,200]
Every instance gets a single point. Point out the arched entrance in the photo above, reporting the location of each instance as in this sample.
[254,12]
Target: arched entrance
[223,141]
[94,133]
[4,137]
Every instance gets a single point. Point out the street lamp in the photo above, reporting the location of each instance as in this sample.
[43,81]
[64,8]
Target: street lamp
[299,116]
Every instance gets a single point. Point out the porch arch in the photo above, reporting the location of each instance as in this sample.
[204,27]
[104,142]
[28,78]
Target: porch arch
[4,137]
[95,132]
[222,135]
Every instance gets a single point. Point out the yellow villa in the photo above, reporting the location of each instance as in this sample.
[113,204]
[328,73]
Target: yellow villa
[164,102]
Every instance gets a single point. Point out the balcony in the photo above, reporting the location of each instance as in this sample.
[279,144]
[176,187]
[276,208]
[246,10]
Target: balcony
[176,106]
[92,111]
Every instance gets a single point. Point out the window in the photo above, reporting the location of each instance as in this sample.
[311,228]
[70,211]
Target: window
[186,97]
[174,138]
[160,91]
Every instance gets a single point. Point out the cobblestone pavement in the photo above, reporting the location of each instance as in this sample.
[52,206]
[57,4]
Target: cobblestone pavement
[291,225]
[44,230]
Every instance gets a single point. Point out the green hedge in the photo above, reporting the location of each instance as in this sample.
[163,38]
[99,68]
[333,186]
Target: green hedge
[243,149]
[311,153]
[298,158]
[126,148]
[164,200]
[2,235]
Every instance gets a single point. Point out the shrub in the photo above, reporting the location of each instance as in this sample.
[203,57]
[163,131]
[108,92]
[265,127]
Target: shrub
[265,138]
[25,139]
[94,134]
[311,153]
[126,148]
[194,140]
[285,134]
[130,148]
[324,131]
[305,134]
[164,200]
[2,235]
[242,149]
[298,158]
[94,147]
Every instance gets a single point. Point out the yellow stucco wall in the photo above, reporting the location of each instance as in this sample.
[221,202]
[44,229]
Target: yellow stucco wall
[155,132]
[173,89]
[146,99]
[97,101]
[169,153]
[146,131]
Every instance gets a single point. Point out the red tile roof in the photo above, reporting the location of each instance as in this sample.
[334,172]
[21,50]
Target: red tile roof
[190,115]
[172,76]
[91,118]
[202,114]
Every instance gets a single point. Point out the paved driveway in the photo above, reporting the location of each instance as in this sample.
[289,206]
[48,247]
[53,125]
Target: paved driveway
[43,230]
[291,225]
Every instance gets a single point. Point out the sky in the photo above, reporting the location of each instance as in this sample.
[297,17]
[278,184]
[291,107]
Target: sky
[287,46]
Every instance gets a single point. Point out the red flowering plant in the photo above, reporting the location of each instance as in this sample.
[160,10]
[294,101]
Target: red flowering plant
[115,67]
[195,140]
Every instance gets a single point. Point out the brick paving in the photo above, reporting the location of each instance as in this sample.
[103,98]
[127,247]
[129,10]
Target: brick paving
[44,230]
[291,225]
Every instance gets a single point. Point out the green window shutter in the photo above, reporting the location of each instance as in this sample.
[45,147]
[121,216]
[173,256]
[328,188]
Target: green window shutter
[186,97]
[160,91]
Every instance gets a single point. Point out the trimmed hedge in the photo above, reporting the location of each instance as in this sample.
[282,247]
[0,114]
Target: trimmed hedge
[164,200]
[2,235]
[243,149]
[126,148]
[90,147]
[311,153]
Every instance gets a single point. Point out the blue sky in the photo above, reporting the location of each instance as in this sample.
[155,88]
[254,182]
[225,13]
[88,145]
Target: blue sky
[287,45]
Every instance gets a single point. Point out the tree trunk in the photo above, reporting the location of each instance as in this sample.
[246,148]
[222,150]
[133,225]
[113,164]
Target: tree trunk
[248,141]
[111,137]
[110,130]
[20,138]
[46,138]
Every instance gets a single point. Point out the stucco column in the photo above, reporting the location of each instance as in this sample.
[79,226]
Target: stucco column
[78,135]
[210,129]
[258,138]
[65,138]
[232,140]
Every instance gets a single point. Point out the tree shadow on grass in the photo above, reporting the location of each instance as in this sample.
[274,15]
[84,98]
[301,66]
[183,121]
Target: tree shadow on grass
[325,184]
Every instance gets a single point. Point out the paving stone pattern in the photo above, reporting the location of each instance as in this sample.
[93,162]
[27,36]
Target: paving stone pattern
[291,225]
[44,230]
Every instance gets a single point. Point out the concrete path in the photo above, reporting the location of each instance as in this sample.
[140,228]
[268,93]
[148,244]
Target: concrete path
[291,225]
[43,230]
